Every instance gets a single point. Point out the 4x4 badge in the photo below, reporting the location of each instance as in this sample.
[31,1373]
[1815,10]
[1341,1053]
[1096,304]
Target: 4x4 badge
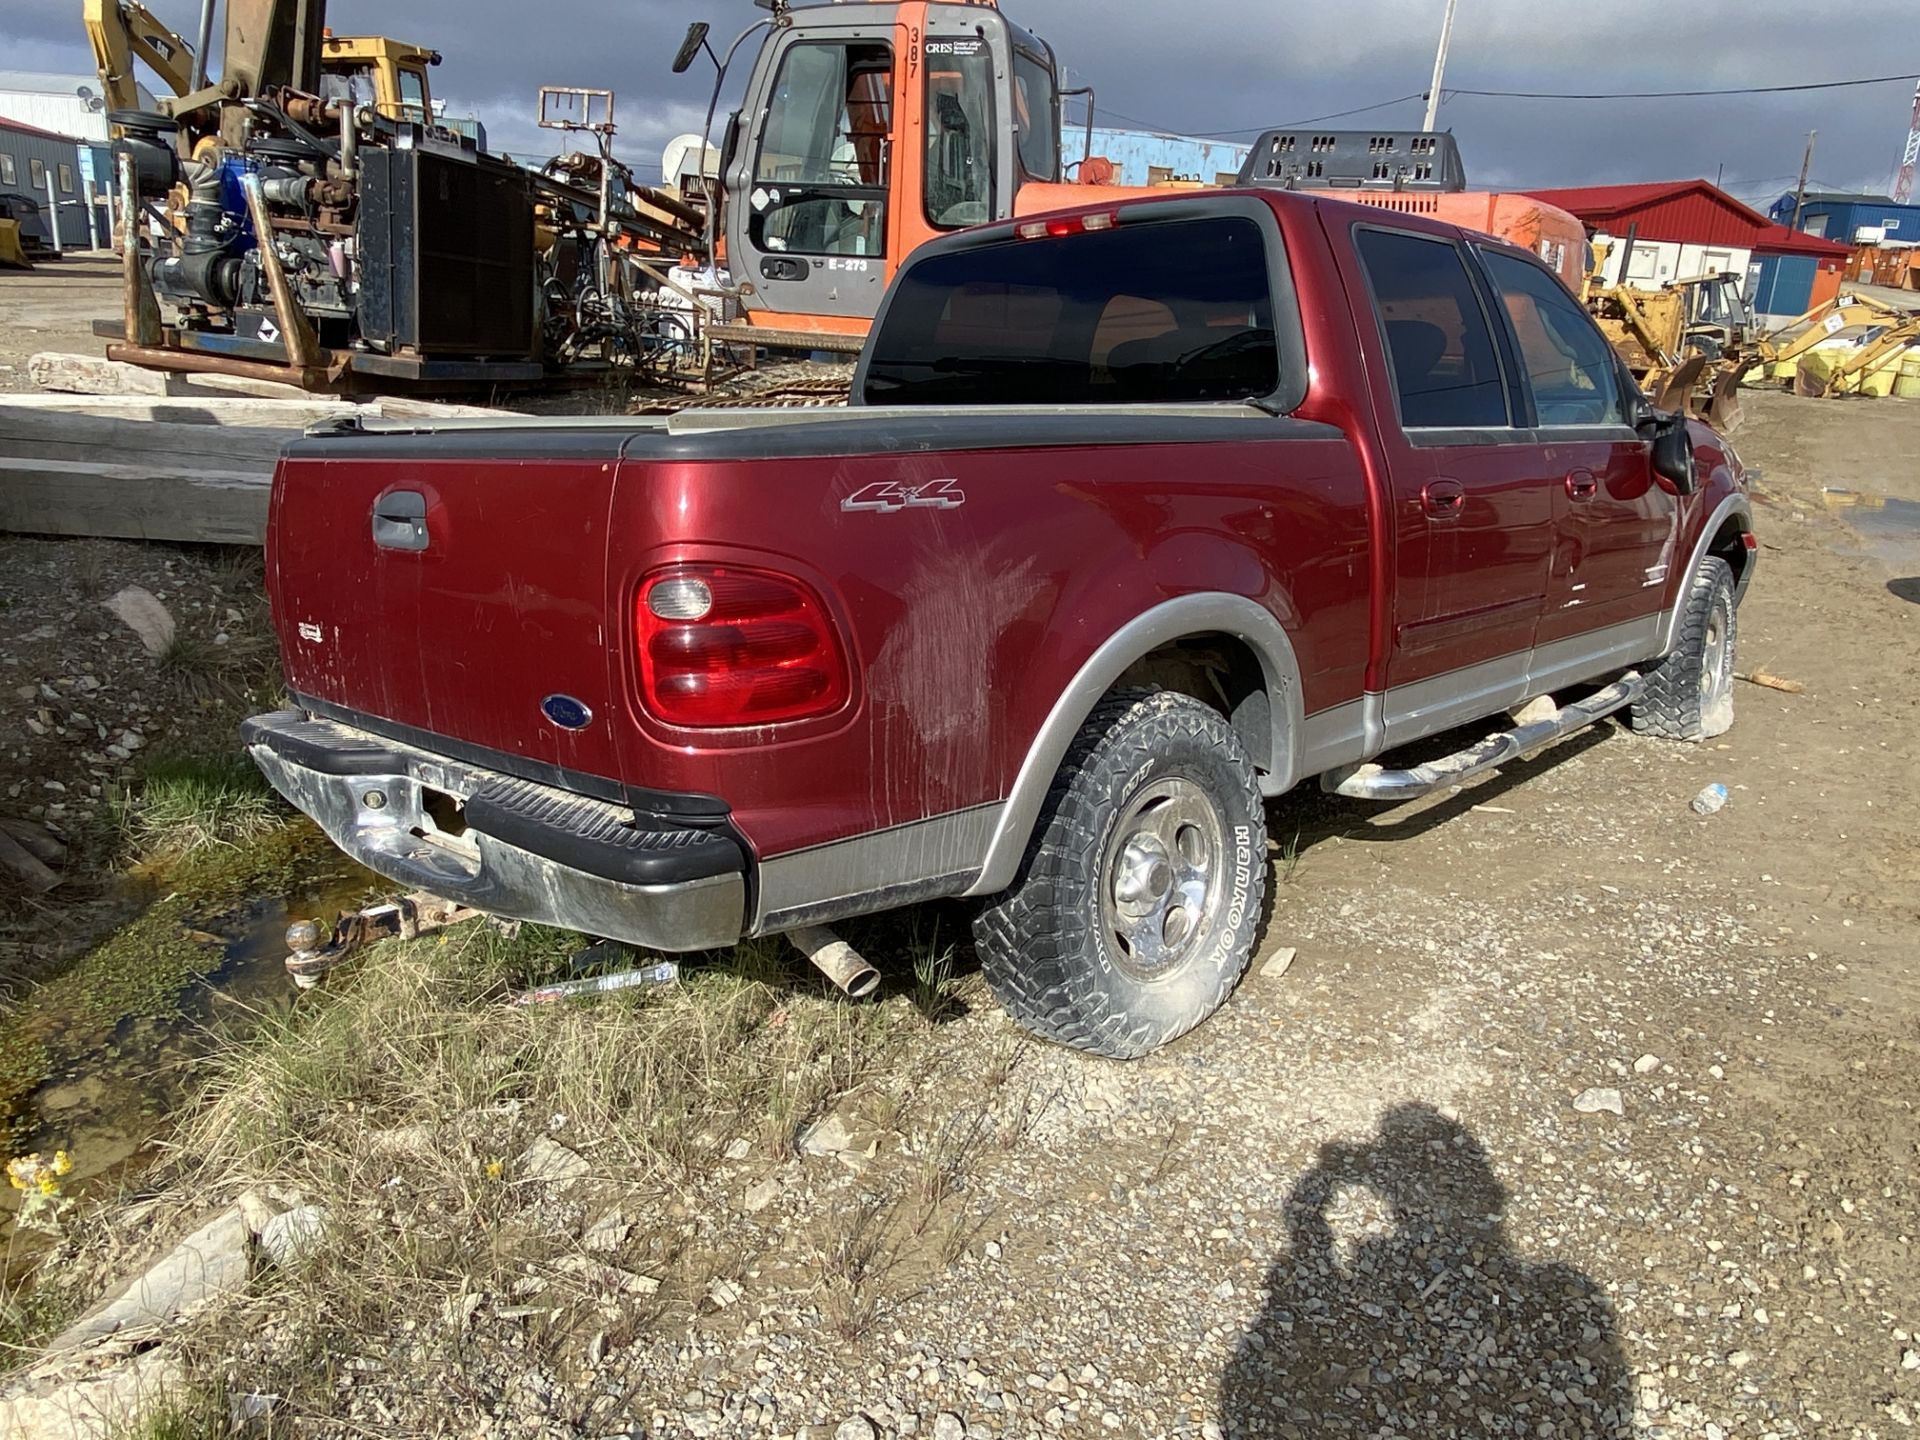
[890,495]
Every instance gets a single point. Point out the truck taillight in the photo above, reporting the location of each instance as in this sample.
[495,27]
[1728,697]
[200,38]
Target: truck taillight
[722,647]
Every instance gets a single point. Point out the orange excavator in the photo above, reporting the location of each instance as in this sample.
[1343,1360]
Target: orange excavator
[869,127]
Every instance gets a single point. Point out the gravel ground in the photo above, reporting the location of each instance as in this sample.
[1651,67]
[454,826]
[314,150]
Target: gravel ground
[1574,1114]
[53,307]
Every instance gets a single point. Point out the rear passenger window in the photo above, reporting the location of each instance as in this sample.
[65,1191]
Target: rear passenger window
[1568,361]
[1151,313]
[1445,368]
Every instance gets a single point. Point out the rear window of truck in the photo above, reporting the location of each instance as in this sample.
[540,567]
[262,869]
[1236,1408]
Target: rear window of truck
[1151,313]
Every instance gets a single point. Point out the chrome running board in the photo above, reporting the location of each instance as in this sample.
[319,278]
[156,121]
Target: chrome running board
[1375,782]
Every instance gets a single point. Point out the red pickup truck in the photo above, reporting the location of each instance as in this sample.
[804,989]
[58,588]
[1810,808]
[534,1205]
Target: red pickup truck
[1139,517]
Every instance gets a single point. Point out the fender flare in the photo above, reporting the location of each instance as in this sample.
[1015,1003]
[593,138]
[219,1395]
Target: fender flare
[1735,504]
[1196,614]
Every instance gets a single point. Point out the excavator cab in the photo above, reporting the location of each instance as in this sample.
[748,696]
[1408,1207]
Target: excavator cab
[867,129]
[387,75]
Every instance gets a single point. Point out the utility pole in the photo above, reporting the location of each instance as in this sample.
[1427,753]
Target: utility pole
[1439,67]
[1800,192]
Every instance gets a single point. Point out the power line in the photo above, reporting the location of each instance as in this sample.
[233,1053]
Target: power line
[1314,119]
[1451,91]
[1678,94]
[1257,129]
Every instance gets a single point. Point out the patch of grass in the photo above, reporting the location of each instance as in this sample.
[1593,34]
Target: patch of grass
[31,1313]
[1289,862]
[190,1414]
[934,993]
[857,1261]
[188,654]
[238,567]
[942,1171]
[402,1094]
[186,805]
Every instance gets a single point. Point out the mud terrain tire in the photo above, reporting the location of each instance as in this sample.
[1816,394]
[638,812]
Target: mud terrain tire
[1136,908]
[1689,695]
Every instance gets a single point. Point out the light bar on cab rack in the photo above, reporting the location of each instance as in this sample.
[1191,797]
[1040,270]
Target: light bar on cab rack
[1067,225]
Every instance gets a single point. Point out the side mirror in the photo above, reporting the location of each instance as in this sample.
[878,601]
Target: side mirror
[1673,455]
[690,47]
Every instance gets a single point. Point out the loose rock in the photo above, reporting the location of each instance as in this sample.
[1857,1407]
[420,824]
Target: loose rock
[1592,1102]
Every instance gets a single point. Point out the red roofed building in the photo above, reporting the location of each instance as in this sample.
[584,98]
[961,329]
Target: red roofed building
[1687,228]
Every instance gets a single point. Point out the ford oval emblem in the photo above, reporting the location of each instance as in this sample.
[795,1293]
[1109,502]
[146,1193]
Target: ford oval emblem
[566,712]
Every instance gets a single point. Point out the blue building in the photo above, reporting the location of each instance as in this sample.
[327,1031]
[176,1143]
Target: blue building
[1843,217]
[1144,158]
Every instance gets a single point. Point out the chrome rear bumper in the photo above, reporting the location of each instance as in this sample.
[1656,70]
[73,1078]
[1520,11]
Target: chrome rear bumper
[503,845]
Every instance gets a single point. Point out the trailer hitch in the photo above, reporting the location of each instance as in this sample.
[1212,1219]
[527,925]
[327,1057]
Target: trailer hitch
[407,918]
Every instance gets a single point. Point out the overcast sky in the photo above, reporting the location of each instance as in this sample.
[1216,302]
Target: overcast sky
[1214,65]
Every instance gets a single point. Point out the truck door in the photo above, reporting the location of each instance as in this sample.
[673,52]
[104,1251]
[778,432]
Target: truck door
[1472,523]
[810,222]
[1614,524]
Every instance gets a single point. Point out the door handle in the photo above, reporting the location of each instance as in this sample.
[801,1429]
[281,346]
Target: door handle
[1444,499]
[1581,485]
[400,520]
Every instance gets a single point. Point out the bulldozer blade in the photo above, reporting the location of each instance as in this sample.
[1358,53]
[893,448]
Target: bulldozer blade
[1724,411]
[1676,390]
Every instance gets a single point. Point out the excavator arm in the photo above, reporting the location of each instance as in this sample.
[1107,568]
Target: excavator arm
[1849,310]
[123,31]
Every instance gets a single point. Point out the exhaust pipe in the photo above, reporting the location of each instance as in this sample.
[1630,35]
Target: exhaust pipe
[349,142]
[837,960]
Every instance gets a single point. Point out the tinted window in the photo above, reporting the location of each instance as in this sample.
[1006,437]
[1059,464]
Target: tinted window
[1444,365]
[1139,314]
[960,137]
[1568,361]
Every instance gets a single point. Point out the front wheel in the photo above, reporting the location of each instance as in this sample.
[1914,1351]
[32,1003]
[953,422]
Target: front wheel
[1136,908]
[1689,695]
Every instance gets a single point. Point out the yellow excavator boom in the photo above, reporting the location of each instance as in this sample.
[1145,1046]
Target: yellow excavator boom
[123,31]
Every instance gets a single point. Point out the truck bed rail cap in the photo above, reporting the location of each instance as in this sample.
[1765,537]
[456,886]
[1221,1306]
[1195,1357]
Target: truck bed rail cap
[336,426]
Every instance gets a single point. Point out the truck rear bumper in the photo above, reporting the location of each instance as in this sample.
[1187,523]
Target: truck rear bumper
[503,845]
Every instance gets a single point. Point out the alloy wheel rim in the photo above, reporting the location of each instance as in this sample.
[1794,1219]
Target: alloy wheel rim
[1163,880]
[1714,674]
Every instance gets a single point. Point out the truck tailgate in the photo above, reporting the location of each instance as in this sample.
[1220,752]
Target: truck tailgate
[451,590]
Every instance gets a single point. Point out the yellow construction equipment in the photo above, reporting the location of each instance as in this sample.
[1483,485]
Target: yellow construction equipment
[10,251]
[1688,343]
[392,73]
[1890,330]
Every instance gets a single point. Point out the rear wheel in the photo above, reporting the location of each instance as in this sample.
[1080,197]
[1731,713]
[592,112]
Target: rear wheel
[1138,902]
[1689,695]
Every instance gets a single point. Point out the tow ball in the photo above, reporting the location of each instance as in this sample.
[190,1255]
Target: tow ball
[404,919]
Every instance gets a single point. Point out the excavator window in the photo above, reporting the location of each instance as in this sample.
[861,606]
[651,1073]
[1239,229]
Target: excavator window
[820,181]
[960,132]
[413,97]
[1034,117]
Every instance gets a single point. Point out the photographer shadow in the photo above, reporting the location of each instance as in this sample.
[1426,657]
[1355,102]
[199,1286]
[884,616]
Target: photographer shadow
[1400,1309]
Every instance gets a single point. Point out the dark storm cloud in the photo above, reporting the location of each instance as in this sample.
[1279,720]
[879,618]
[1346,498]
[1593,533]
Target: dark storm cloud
[1231,63]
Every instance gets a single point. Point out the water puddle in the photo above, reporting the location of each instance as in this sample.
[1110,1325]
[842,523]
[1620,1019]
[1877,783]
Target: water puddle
[1889,529]
[104,1105]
